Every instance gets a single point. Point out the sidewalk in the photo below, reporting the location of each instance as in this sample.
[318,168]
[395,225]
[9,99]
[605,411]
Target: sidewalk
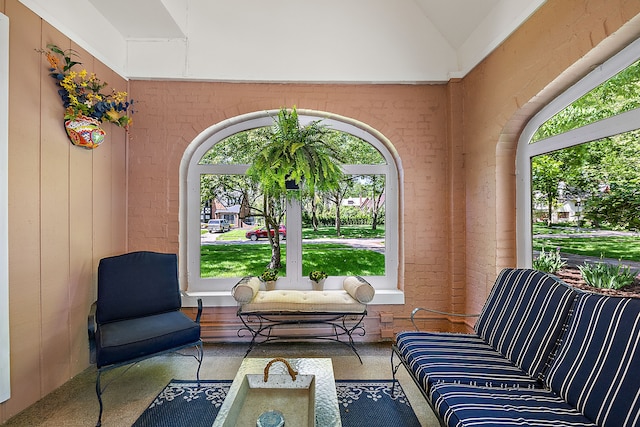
[575,260]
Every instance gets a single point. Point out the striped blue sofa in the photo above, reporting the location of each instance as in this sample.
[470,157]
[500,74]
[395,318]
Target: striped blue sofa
[542,354]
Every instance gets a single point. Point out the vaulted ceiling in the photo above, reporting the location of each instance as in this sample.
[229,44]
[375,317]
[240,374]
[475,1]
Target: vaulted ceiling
[364,41]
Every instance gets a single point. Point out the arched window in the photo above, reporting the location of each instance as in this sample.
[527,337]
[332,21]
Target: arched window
[536,140]
[207,161]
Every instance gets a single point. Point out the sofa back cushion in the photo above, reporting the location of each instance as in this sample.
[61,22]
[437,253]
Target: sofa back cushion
[597,366]
[523,317]
[137,284]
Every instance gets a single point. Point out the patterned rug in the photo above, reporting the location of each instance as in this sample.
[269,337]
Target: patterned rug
[362,403]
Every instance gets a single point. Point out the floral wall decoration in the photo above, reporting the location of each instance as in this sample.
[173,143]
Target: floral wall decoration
[82,96]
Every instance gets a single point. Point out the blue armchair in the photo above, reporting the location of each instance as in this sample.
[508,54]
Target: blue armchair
[138,313]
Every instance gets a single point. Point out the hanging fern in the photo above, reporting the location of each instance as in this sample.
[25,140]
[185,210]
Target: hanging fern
[298,154]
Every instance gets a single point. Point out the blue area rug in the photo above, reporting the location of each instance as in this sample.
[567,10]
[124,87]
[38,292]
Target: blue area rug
[362,403]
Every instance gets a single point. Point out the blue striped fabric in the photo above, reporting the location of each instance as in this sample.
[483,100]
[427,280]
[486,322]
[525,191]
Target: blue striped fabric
[468,406]
[523,317]
[597,367]
[458,358]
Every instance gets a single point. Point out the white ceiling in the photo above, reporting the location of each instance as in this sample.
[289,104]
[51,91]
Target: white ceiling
[378,41]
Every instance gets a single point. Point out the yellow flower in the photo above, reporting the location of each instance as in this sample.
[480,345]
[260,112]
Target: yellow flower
[119,96]
[112,115]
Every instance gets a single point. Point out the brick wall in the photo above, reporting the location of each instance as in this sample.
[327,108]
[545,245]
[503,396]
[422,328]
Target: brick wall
[413,117]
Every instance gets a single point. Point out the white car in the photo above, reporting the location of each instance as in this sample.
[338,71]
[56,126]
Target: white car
[218,225]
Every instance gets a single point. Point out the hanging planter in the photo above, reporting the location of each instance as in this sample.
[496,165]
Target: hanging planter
[86,104]
[85,132]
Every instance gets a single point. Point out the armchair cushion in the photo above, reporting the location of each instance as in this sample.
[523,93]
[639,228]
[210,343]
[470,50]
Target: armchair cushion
[137,284]
[131,339]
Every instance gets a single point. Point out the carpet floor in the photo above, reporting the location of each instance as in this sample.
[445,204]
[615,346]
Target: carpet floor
[362,403]
[129,393]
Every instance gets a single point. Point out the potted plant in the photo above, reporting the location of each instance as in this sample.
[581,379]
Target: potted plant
[317,279]
[269,277]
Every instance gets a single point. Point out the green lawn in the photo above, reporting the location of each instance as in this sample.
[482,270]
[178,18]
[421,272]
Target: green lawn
[540,228]
[233,234]
[237,260]
[624,248]
[346,232]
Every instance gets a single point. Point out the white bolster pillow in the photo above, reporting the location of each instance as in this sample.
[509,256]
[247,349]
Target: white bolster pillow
[244,291]
[359,289]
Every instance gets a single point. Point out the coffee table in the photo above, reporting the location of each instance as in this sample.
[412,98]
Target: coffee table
[327,411]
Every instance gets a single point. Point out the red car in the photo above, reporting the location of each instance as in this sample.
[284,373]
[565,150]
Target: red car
[261,233]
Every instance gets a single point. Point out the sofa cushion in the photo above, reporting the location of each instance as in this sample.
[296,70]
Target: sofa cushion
[458,358]
[461,405]
[303,302]
[359,289]
[597,366]
[523,317]
[135,338]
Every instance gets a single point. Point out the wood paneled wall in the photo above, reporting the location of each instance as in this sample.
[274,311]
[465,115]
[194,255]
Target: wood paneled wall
[67,209]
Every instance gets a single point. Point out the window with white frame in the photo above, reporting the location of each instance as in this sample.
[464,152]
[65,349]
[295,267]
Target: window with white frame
[542,146]
[215,187]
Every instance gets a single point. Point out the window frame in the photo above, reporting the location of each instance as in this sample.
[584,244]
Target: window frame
[623,122]
[216,291]
[5,365]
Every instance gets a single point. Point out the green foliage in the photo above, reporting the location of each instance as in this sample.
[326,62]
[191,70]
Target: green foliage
[607,276]
[619,94]
[546,175]
[317,275]
[603,173]
[352,149]
[614,247]
[618,207]
[269,274]
[549,262]
[348,216]
[295,153]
